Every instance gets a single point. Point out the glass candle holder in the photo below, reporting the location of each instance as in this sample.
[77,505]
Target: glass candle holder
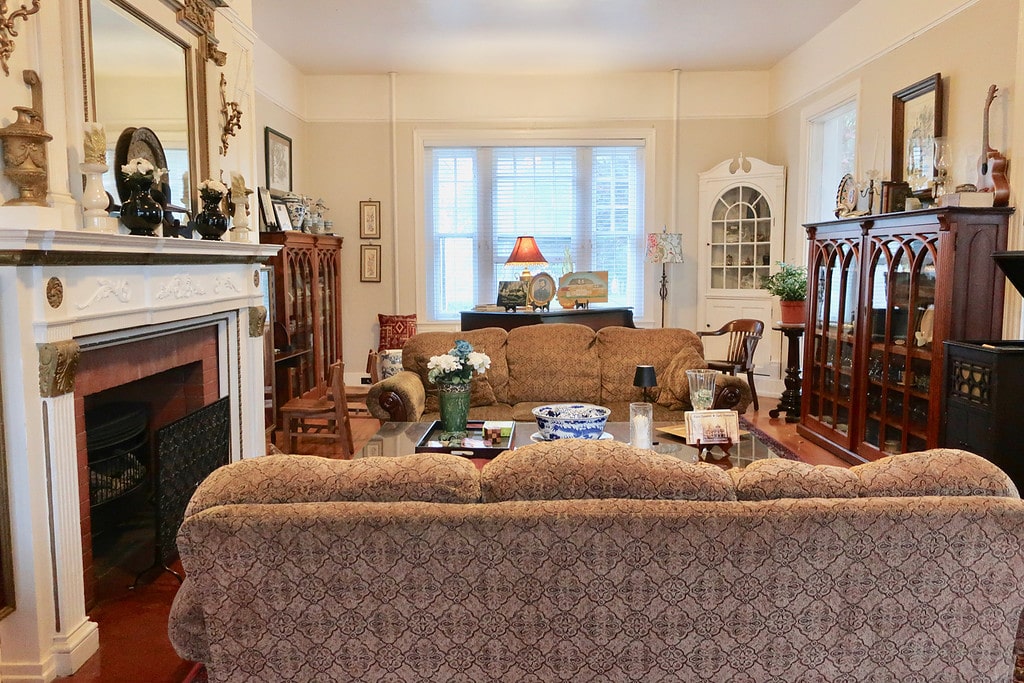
[702,388]
[641,424]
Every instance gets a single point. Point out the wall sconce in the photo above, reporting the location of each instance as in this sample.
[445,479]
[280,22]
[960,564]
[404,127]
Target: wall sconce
[230,116]
[8,32]
[526,253]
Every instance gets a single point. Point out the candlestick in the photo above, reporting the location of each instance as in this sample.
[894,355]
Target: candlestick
[641,424]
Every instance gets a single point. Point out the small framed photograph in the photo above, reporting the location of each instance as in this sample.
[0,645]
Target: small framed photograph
[374,448]
[916,122]
[369,220]
[712,426]
[369,263]
[512,294]
[278,150]
[267,209]
[284,221]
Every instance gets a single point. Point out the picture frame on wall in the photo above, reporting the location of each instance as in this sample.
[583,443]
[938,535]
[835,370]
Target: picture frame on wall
[369,220]
[916,122]
[369,263]
[278,150]
[267,209]
[284,221]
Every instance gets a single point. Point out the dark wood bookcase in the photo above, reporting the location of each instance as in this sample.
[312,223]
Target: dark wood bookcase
[885,292]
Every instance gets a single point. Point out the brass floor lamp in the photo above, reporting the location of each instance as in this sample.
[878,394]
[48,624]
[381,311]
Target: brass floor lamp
[664,248]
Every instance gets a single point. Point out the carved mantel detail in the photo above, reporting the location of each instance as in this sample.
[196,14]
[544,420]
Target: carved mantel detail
[58,364]
[257,320]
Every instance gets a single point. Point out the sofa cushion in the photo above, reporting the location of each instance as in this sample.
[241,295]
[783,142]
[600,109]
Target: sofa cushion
[773,478]
[486,389]
[675,387]
[621,349]
[934,472]
[553,363]
[395,330]
[430,477]
[579,468]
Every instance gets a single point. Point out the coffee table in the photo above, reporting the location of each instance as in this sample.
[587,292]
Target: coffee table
[400,438]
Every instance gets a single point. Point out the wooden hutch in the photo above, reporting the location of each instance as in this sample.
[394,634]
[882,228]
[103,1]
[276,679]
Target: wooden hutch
[885,292]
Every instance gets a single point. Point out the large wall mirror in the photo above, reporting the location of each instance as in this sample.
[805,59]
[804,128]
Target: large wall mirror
[145,72]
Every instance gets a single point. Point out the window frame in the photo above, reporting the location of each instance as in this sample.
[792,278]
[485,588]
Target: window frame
[810,117]
[424,139]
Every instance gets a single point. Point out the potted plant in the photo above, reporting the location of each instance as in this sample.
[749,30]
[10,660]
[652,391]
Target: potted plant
[789,283]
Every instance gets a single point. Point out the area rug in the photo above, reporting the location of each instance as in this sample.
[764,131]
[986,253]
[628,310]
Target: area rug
[772,445]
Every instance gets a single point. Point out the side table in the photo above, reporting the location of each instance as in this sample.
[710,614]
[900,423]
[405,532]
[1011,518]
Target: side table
[790,401]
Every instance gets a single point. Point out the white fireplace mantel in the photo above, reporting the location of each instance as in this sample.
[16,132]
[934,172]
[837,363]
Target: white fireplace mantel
[65,286]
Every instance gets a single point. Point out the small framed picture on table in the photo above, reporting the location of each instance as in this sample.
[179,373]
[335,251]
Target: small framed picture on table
[267,209]
[284,221]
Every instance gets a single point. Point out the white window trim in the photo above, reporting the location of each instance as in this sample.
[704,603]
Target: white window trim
[423,138]
[838,98]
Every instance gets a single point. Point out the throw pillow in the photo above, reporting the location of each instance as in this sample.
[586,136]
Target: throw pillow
[390,362]
[675,388]
[573,469]
[395,330]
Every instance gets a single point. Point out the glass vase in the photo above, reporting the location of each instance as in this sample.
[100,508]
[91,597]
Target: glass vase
[454,400]
[140,213]
[211,222]
[702,388]
[641,424]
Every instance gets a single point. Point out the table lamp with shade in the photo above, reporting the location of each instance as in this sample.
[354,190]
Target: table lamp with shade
[664,247]
[645,378]
[526,253]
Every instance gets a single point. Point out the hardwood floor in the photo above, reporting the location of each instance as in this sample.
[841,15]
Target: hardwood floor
[133,623]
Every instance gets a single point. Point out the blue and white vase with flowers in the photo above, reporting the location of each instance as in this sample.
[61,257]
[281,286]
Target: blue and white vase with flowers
[452,374]
[140,213]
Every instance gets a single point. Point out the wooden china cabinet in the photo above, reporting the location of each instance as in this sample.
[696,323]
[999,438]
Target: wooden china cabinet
[885,292]
[307,306]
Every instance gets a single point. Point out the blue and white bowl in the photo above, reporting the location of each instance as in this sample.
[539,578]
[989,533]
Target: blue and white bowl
[571,421]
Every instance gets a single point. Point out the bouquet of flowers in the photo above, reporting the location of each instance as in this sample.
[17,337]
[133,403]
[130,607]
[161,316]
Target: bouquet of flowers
[139,169]
[457,366]
[212,189]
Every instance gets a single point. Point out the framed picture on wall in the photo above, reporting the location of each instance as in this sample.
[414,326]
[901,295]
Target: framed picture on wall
[278,148]
[916,122]
[369,220]
[369,263]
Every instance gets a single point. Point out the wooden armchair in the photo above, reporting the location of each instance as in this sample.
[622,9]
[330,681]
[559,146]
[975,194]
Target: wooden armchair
[325,418]
[744,333]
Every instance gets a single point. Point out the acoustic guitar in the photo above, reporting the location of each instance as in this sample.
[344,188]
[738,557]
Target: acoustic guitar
[992,164]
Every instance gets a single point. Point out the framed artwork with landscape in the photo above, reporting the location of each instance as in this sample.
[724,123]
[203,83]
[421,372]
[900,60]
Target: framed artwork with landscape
[916,122]
[278,149]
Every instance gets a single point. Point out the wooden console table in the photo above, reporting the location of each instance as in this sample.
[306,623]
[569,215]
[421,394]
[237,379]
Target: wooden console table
[594,318]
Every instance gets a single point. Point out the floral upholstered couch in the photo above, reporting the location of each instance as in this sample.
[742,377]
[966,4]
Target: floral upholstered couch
[595,561]
[539,364]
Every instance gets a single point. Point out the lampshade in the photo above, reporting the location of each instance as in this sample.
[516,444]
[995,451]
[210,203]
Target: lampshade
[665,247]
[645,376]
[526,253]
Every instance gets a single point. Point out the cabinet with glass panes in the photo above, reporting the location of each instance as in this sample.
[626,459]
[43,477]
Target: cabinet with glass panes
[741,232]
[885,292]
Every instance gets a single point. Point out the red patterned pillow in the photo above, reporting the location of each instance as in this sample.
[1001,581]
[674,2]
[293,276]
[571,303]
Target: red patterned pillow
[395,330]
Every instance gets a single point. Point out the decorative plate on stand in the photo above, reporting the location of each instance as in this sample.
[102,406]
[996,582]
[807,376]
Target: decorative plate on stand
[846,197]
[140,143]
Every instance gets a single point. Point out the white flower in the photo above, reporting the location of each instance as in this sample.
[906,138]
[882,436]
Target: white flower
[210,185]
[138,166]
[479,361]
[444,363]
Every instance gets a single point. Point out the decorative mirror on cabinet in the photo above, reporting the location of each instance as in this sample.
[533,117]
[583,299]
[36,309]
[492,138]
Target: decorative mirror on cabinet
[145,68]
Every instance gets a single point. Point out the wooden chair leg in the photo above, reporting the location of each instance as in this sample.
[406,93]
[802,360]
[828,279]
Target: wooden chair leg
[753,391]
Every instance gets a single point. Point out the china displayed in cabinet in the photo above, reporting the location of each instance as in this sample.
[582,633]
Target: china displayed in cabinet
[885,292]
[307,306]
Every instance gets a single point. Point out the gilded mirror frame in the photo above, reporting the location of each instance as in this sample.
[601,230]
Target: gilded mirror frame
[189,24]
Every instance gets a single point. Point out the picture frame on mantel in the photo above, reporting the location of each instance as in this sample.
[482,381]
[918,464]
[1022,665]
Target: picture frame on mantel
[278,151]
[916,122]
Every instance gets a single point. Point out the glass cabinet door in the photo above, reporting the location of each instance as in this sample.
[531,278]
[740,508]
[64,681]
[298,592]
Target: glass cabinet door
[830,369]
[900,367]
[741,233]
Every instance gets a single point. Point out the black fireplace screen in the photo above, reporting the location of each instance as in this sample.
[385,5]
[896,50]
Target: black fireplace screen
[188,450]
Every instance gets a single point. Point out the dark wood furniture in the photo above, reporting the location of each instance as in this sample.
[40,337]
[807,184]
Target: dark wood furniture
[594,318]
[885,292]
[744,333]
[789,403]
[307,303]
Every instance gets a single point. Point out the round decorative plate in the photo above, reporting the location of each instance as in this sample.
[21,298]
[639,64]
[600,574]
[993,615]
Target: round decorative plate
[846,198]
[542,289]
[140,143]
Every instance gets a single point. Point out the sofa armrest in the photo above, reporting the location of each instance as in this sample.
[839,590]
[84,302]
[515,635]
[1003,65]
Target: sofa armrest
[186,626]
[731,392]
[399,398]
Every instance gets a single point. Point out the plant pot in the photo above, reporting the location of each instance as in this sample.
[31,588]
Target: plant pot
[793,312]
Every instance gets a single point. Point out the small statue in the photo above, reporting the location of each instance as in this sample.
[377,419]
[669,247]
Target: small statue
[24,143]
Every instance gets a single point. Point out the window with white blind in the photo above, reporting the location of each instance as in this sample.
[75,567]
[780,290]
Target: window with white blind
[581,203]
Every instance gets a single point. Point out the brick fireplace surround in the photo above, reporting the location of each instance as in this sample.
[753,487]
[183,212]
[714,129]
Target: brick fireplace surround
[75,300]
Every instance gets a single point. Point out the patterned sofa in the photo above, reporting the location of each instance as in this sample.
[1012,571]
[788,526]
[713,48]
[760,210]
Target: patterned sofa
[539,364]
[595,561]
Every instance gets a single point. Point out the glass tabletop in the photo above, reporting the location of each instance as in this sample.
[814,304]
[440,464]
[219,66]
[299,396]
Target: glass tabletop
[395,439]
